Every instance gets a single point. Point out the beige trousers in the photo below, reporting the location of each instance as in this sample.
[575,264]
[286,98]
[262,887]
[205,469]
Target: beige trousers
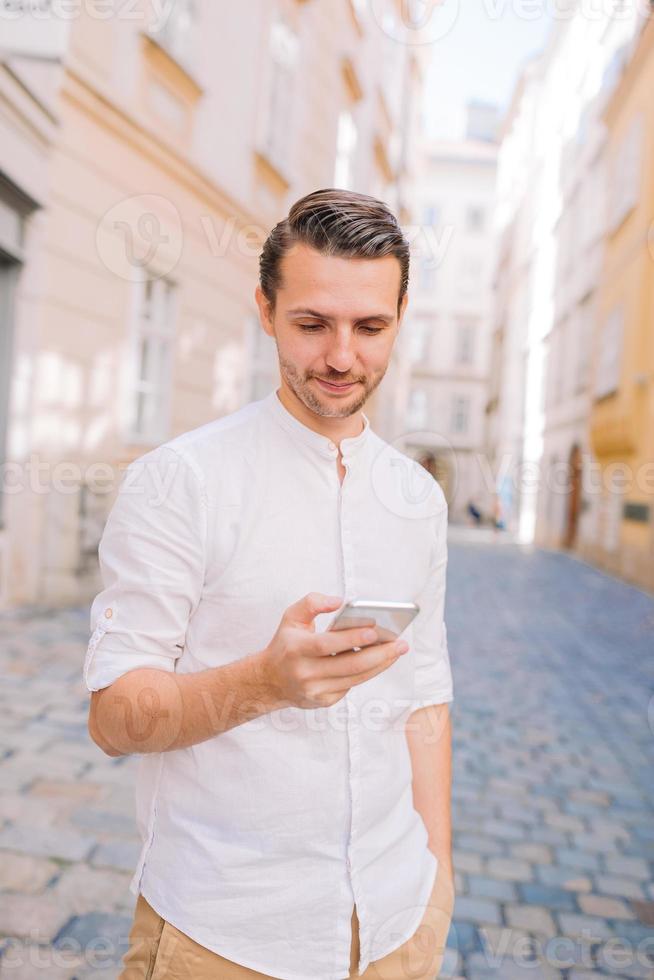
[159,951]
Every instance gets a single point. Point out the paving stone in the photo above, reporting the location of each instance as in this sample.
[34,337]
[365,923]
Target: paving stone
[593,797]
[479,968]
[466,861]
[480,886]
[509,869]
[577,859]
[562,877]
[34,917]
[470,909]
[628,867]
[53,842]
[504,830]
[603,905]
[588,926]
[101,822]
[477,843]
[531,918]
[535,893]
[563,821]
[620,886]
[101,936]
[24,873]
[463,936]
[534,853]
[120,854]
[82,889]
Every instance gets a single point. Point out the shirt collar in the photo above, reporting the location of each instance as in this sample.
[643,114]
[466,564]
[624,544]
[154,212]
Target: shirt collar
[314,440]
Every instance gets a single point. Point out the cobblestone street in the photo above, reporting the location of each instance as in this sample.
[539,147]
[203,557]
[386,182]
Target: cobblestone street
[553,799]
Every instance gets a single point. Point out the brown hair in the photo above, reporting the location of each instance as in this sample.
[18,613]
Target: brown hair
[335,222]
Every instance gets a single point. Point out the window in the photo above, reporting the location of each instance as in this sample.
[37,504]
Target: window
[607,377]
[417,413]
[177,30]
[460,413]
[626,172]
[346,142]
[284,48]
[584,335]
[465,342]
[470,274]
[419,341]
[153,341]
[475,219]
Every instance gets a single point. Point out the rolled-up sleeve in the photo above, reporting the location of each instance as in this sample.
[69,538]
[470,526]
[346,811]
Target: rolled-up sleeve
[433,674]
[152,561]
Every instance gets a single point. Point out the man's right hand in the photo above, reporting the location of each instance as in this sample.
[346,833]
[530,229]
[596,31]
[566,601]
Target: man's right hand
[297,663]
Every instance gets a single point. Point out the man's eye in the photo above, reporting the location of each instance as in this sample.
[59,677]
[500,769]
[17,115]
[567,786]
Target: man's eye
[318,326]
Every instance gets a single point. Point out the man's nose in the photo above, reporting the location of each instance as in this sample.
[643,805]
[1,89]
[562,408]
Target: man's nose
[340,354]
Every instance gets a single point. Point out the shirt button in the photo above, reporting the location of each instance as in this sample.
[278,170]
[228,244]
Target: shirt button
[349,865]
[331,445]
[108,613]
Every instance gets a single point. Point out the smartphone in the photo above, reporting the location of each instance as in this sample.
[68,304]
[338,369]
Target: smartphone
[389,618]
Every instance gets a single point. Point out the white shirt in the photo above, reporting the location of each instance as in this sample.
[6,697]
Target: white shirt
[257,842]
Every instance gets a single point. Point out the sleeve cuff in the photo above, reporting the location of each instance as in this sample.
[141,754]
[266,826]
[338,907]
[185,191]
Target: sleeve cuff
[103,667]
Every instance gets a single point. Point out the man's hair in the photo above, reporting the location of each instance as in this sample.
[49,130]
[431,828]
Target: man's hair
[335,222]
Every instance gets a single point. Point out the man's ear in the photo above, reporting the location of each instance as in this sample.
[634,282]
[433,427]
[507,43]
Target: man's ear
[265,311]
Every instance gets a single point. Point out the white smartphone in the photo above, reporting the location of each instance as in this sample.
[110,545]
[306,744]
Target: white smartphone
[389,618]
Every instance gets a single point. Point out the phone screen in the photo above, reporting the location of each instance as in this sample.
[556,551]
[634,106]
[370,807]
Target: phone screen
[390,620]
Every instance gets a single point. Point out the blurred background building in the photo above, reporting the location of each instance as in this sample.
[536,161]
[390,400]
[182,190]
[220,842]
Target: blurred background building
[145,157]
[571,380]
[142,163]
[448,345]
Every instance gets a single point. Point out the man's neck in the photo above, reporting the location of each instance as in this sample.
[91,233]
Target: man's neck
[334,428]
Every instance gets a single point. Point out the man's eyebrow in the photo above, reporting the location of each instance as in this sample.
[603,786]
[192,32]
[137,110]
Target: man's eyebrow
[329,319]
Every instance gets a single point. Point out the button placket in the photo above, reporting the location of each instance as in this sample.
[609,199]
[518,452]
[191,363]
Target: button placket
[354,747]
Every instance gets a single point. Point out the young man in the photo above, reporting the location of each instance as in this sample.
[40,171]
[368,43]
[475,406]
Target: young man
[293,792]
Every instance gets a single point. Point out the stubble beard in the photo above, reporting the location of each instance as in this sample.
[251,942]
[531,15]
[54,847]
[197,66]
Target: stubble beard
[302,387]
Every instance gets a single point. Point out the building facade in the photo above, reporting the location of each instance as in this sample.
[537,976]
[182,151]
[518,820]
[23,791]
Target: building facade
[447,344]
[622,407]
[551,229]
[141,166]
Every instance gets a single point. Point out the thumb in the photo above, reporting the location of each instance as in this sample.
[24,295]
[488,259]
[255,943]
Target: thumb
[304,611]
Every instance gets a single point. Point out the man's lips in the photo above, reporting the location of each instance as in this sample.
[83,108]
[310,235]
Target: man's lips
[336,386]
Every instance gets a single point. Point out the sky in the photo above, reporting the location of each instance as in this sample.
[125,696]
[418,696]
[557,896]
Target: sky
[483,46]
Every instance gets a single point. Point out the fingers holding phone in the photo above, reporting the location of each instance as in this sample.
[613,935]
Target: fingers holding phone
[308,669]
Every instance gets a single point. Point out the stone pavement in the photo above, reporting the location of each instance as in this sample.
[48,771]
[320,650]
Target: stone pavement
[553,797]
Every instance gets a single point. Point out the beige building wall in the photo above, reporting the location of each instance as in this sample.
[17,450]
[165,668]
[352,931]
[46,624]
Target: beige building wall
[171,151]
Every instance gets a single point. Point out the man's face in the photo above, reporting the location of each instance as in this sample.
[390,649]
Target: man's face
[335,320]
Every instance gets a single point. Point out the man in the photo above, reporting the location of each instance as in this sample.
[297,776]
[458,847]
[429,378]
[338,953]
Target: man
[293,792]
